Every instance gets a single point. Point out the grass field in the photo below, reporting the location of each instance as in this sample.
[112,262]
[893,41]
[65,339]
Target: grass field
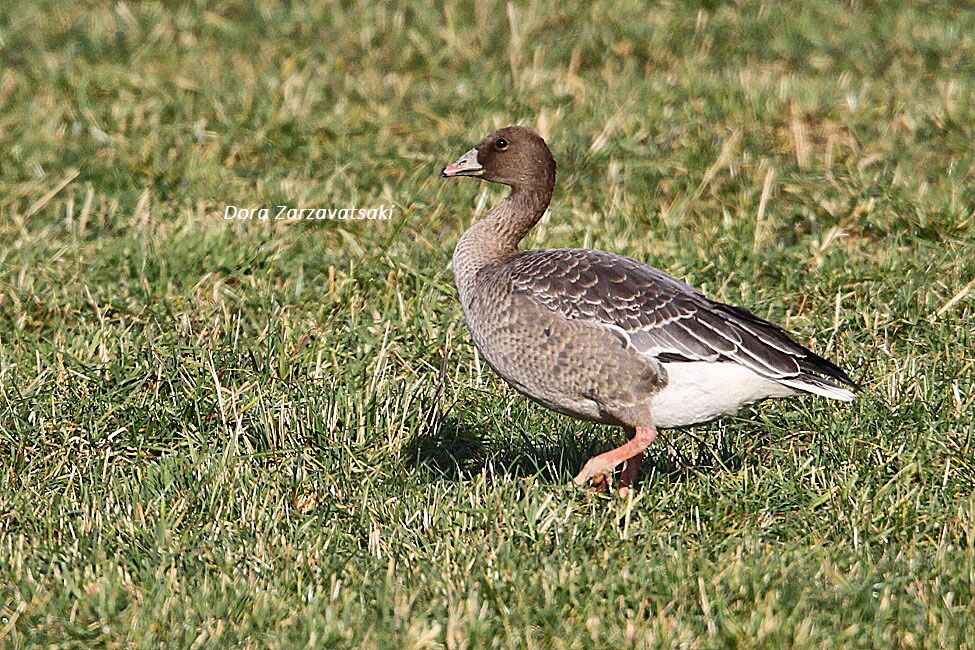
[273,433]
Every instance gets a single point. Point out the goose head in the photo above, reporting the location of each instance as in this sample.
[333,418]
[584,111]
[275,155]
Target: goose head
[513,156]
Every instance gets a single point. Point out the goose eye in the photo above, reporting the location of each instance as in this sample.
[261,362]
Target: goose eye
[500,144]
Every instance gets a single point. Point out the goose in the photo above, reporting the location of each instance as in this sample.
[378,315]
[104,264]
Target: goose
[605,338]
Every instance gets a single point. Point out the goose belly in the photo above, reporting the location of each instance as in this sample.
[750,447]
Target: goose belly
[698,391]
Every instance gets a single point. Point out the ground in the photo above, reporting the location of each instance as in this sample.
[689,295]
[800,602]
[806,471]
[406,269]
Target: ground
[276,432]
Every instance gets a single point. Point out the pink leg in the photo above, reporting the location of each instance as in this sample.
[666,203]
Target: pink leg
[631,466]
[629,474]
[630,452]
[631,470]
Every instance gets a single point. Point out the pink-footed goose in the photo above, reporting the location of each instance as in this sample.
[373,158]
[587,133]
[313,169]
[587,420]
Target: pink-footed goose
[605,338]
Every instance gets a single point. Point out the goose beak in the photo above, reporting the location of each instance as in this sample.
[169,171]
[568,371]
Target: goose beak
[466,165]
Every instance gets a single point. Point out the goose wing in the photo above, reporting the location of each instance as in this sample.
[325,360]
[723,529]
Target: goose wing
[667,319]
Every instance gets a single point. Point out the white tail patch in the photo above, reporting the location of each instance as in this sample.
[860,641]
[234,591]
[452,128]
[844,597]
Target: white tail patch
[699,391]
[832,392]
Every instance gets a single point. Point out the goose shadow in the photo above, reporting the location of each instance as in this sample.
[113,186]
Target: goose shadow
[459,451]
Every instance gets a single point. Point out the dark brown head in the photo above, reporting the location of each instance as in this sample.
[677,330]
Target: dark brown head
[513,156]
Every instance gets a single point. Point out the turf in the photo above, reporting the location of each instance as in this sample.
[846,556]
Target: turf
[276,433]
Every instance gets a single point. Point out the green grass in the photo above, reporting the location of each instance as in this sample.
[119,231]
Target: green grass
[276,434]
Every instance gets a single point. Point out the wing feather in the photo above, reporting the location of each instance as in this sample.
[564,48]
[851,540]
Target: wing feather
[666,318]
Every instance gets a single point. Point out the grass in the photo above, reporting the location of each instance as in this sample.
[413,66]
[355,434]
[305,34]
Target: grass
[271,433]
